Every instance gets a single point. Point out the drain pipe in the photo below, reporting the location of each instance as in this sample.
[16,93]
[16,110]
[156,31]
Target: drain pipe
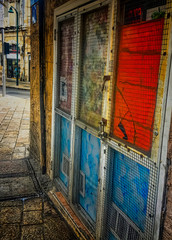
[42,83]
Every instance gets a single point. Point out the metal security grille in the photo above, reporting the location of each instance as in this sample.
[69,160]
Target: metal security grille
[94,38]
[142,60]
[89,169]
[65,36]
[82,184]
[66,64]
[65,165]
[132,196]
[64,150]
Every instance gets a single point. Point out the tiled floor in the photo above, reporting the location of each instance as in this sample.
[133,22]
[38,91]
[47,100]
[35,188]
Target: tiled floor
[25,211]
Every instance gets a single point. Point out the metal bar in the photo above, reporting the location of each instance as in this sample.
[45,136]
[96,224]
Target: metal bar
[42,84]
[3,69]
[17,26]
[53,127]
[163,150]
[101,191]
[72,167]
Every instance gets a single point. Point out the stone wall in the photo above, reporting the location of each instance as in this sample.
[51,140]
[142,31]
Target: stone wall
[49,19]
[35,135]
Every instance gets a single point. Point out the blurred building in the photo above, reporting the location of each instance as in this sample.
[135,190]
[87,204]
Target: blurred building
[23,8]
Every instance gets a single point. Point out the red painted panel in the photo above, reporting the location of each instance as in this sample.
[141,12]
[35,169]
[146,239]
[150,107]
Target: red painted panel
[66,64]
[137,81]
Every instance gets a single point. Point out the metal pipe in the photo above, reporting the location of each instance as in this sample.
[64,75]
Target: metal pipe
[3,69]
[23,58]
[42,84]
[3,60]
[17,26]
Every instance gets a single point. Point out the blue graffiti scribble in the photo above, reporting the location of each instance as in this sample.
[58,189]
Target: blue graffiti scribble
[64,146]
[90,154]
[130,188]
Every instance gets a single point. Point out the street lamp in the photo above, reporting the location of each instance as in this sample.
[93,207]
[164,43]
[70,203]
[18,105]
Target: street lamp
[17,26]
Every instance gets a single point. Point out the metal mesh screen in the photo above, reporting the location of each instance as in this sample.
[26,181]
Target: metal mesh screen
[130,188]
[66,63]
[64,95]
[65,135]
[141,66]
[132,196]
[89,167]
[138,91]
[95,30]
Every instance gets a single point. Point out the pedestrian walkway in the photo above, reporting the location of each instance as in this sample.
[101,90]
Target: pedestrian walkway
[11,83]
[14,128]
[25,210]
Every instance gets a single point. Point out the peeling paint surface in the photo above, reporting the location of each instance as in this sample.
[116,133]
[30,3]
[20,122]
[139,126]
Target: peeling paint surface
[64,145]
[90,155]
[130,188]
[137,82]
[95,41]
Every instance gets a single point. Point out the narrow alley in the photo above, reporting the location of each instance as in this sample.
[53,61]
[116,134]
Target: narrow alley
[25,211]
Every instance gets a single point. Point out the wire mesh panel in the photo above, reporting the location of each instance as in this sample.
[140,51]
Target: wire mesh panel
[65,136]
[95,32]
[139,62]
[112,237]
[131,201]
[89,168]
[64,97]
[130,188]
[66,63]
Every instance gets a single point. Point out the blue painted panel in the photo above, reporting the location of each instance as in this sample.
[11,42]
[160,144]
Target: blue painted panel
[112,237]
[130,188]
[34,15]
[64,145]
[34,1]
[90,154]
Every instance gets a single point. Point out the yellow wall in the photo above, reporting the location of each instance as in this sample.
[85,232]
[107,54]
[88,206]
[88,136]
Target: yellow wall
[35,134]
[50,5]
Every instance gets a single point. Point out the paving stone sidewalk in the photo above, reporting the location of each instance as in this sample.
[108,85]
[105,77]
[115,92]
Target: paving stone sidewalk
[25,211]
[14,128]
[11,83]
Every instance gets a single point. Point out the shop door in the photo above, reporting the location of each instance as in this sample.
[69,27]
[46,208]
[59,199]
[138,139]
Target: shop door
[95,37]
[63,104]
[84,69]
[133,176]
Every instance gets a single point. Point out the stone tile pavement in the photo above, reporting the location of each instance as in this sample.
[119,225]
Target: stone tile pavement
[32,218]
[26,212]
[11,83]
[14,128]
